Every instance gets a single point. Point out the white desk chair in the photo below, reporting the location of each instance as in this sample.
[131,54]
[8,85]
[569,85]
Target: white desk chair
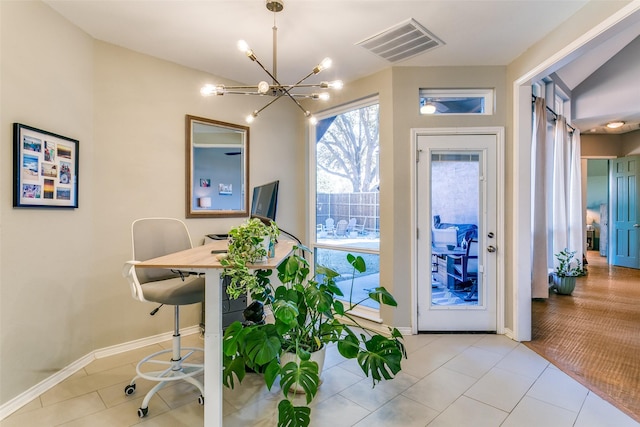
[151,238]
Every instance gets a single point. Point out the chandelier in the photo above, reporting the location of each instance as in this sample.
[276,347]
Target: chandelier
[275,89]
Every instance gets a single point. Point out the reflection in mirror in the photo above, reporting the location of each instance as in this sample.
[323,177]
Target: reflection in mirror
[217,167]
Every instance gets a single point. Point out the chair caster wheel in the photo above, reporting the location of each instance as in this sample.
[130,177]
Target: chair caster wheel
[201,400]
[142,412]
[130,389]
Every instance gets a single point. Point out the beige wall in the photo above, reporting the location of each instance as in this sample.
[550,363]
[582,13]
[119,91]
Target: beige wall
[62,294]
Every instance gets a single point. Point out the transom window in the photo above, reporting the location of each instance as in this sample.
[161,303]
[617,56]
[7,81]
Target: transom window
[456,101]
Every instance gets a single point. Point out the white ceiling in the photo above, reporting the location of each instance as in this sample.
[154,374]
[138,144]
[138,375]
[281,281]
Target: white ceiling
[202,34]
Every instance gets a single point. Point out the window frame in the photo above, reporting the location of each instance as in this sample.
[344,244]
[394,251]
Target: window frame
[488,94]
[361,311]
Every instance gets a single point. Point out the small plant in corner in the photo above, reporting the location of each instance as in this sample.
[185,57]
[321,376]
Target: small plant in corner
[567,270]
[568,265]
[309,312]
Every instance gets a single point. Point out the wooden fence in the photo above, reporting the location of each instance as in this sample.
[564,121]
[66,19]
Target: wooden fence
[364,207]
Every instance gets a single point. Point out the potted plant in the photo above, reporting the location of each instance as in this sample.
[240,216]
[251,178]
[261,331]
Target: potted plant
[249,243]
[307,315]
[568,269]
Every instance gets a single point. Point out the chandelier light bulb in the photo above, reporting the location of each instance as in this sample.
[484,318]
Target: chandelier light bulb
[336,84]
[251,117]
[243,46]
[263,87]
[324,96]
[208,90]
[313,121]
[326,63]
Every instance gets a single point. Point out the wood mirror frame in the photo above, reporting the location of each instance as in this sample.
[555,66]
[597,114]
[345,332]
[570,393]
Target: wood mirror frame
[217,168]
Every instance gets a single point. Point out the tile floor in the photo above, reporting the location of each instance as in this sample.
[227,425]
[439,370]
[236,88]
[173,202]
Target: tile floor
[448,380]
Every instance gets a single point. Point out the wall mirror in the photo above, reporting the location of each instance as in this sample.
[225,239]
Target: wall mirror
[217,155]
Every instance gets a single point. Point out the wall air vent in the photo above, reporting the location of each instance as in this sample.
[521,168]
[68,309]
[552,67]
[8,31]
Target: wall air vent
[401,41]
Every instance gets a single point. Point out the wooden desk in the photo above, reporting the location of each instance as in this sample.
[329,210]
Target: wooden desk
[201,260]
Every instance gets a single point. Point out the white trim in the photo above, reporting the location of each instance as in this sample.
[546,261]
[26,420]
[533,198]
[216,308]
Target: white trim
[48,383]
[499,133]
[521,277]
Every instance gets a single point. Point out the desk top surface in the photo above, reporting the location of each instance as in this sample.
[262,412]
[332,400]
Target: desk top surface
[441,250]
[201,257]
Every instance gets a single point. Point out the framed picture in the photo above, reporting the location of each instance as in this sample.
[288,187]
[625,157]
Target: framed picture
[45,169]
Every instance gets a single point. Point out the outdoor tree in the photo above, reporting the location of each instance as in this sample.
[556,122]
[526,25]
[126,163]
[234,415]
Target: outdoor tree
[348,150]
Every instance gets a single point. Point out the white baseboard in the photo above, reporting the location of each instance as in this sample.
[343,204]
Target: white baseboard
[27,396]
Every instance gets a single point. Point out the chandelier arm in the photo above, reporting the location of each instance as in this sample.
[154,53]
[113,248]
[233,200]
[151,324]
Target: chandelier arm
[283,88]
[269,103]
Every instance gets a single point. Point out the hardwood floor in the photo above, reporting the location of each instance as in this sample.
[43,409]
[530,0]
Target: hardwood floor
[593,335]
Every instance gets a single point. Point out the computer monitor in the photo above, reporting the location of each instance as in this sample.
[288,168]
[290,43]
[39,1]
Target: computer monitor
[265,201]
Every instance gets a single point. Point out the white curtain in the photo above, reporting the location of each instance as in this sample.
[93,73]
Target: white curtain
[560,187]
[556,197]
[539,250]
[576,239]
[567,227]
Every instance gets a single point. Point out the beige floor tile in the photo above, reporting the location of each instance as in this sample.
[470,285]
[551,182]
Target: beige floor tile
[557,388]
[532,412]
[117,360]
[79,386]
[400,411]
[599,413]
[497,344]
[473,361]
[469,412]
[191,415]
[523,361]
[337,412]
[125,414]
[58,413]
[440,388]
[501,389]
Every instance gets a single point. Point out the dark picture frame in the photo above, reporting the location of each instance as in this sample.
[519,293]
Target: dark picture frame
[45,169]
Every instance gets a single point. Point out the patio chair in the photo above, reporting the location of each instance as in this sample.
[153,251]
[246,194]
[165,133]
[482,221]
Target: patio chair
[329,226]
[341,228]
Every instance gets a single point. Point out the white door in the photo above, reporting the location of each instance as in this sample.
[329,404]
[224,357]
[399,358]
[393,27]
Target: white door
[456,246]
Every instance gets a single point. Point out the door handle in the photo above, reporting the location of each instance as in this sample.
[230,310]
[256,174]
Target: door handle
[636,225]
[491,249]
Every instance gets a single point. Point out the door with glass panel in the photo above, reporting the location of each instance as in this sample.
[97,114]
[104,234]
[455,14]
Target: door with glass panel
[456,217]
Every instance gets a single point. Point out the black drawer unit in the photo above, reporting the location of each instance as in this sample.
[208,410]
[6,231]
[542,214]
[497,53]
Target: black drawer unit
[231,308]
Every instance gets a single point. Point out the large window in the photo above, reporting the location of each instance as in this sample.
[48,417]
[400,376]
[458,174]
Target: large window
[346,186]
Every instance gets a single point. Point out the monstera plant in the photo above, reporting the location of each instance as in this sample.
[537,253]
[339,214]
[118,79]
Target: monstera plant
[309,312]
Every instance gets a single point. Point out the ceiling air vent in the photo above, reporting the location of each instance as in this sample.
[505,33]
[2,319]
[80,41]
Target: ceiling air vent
[401,41]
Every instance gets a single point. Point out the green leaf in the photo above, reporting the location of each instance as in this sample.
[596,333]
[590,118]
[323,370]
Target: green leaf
[285,311]
[326,271]
[349,346]
[381,359]
[338,307]
[233,366]
[293,416]
[383,296]
[304,375]
[233,338]
[261,349]
[271,372]
[357,263]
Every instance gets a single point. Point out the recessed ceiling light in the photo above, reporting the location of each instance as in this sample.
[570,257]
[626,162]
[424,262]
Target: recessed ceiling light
[615,125]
